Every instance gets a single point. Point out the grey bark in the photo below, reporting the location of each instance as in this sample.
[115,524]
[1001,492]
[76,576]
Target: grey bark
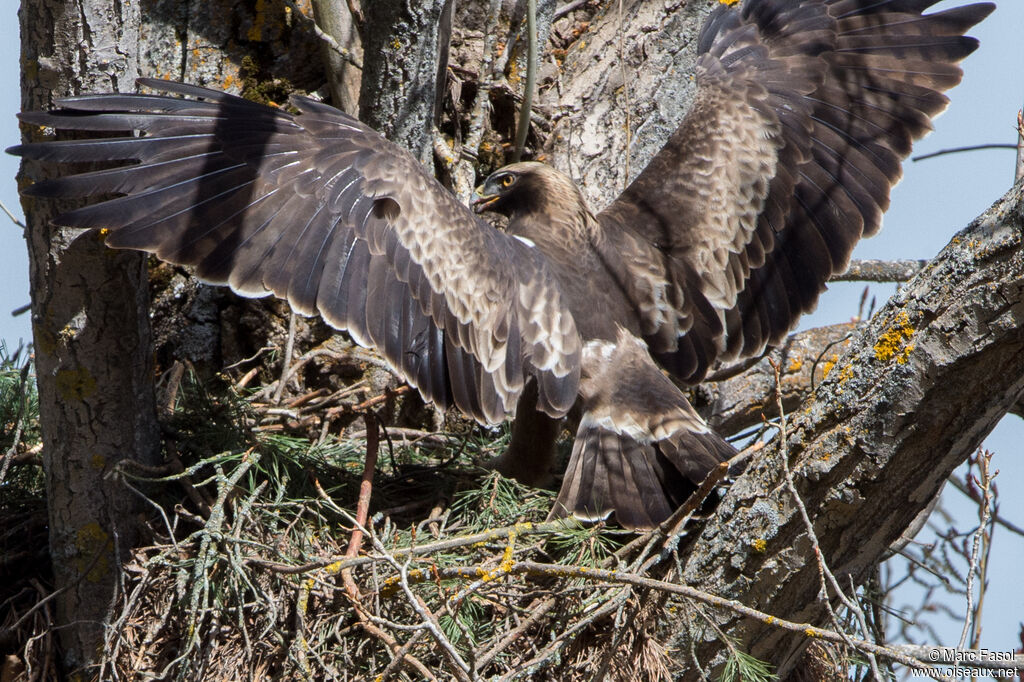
[405,47]
[623,88]
[909,400]
[91,332]
[742,401]
[208,42]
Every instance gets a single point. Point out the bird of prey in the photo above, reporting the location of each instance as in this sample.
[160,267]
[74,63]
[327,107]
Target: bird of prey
[803,113]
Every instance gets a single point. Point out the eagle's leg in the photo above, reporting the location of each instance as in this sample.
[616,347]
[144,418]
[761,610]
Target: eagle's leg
[531,451]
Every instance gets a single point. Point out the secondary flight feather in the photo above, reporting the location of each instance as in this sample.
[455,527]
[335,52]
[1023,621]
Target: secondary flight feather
[804,112]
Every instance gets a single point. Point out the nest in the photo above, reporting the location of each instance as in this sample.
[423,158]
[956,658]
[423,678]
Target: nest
[260,566]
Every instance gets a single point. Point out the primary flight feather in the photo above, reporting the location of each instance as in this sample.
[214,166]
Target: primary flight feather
[804,112]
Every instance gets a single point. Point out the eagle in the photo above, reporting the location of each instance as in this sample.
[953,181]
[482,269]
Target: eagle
[803,113]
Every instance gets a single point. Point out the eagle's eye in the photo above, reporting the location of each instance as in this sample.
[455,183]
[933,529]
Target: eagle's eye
[507,180]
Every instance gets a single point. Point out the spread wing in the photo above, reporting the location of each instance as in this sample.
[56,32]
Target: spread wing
[804,111]
[324,212]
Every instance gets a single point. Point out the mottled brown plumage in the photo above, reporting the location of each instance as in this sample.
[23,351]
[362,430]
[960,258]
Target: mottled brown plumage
[803,114]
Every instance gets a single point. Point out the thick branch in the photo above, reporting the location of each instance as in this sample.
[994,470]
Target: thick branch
[404,62]
[741,402]
[912,396]
[880,270]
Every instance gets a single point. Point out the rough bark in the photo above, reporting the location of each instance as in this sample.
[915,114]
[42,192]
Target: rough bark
[622,88]
[223,44]
[405,57]
[742,401]
[91,332]
[911,397]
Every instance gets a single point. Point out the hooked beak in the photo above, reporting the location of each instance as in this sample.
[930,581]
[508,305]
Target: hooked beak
[480,201]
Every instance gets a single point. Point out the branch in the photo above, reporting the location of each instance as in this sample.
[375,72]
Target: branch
[908,400]
[880,270]
[743,401]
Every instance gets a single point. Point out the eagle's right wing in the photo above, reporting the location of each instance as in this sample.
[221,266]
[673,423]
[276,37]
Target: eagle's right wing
[324,212]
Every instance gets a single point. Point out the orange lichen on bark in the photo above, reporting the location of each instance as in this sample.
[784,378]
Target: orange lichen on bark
[895,342]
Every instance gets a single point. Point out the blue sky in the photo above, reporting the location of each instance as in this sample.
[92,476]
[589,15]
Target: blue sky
[935,199]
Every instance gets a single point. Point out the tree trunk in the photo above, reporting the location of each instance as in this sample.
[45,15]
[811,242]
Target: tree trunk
[91,332]
[405,48]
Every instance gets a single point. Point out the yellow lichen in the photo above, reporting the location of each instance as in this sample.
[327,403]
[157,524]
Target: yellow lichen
[795,365]
[760,545]
[92,543]
[845,374]
[75,384]
[255,32]
[827,366]
[894,343]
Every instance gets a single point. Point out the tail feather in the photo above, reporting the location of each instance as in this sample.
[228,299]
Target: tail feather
[639,484]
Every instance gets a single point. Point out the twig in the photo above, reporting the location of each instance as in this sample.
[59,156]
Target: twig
[19,427]
[338,564]
[823,570]
[1008,525]
[286,360]
[1019,170]
[537,611]
[170,392]
[355,543]
[957,150]
[365,486]
[340,50]
[368,403]
[566,9]
[985,483]
[523,127]
[462,670]
[10,215]
[557,570]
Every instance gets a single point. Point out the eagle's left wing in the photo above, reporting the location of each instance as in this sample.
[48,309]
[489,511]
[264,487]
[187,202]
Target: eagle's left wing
[804,111]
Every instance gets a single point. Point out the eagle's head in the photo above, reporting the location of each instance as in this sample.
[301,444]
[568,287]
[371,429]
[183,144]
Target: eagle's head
[523,188]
